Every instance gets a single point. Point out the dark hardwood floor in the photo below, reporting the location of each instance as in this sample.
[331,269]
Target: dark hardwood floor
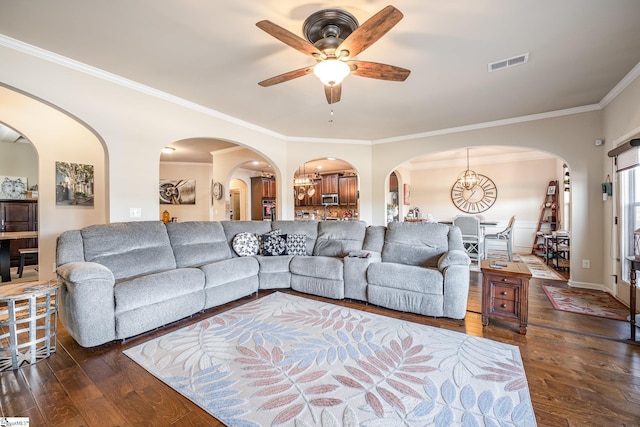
[581,372]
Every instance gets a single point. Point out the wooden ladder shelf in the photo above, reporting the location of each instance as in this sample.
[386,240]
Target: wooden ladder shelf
[548,221]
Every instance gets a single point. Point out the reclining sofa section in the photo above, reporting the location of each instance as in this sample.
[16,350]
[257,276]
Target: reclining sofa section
[120,280]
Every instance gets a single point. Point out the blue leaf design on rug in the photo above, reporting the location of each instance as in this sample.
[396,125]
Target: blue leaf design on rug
[288,360]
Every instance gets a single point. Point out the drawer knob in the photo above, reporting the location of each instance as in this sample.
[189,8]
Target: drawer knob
[504,306]
[504,279]
[503,292]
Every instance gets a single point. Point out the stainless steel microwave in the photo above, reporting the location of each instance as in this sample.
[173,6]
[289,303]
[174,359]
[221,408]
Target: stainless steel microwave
[329,199]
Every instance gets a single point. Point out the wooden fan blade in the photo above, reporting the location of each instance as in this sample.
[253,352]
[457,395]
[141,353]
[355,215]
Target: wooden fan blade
[369,32]
[333,93]
[288,38]
[286,76]
[376,70]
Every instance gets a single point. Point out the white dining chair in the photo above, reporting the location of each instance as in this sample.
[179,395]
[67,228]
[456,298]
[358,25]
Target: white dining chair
[471,235]
[505,235]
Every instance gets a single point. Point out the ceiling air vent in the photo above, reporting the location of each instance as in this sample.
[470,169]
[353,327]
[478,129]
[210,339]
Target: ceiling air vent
[509,62]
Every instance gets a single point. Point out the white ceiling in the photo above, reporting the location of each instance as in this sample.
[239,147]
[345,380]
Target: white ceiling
[211,53]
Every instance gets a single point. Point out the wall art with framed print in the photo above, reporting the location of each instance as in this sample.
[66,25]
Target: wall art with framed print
[13,187]
[551,190]
[74,184]
[177,192]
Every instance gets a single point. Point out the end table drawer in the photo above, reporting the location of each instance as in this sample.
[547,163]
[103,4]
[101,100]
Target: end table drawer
[496,280]
[505,292]
[505,306]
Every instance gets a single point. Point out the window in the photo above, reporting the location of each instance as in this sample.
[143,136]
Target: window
[629,214]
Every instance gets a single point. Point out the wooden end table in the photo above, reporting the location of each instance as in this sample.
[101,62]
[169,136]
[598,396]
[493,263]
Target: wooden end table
[29,312]
[505,292]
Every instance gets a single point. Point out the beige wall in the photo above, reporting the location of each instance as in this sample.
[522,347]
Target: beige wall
[522,187]
[135,123]
[201,174]
[18,159]
[621,123]
[57,137]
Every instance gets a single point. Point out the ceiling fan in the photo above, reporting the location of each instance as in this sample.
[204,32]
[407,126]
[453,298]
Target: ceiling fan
[334,37]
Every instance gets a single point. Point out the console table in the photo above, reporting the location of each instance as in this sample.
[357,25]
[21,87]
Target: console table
[29,315]
[505,292]
[635,265]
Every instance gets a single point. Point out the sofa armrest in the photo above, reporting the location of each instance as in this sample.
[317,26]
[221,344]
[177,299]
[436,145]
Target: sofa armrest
[453,257]
[454,266]
[355,273]
[87,303]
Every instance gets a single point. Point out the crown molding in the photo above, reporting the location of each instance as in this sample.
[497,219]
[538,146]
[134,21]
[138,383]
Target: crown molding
[621,86]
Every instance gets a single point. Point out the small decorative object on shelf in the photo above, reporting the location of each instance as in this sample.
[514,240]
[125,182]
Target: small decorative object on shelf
[166,217]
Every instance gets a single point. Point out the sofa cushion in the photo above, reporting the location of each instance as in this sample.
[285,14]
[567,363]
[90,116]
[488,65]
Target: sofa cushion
[196,243]
[317,266]
[406,277]
[246,244]
[229,270]
[231,228]
[415,243]
[339,238]
[307,227]
[129,249]
[158,287]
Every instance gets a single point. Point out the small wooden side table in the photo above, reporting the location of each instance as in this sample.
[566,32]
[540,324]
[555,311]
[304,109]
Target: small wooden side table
[505,292]
[29,314]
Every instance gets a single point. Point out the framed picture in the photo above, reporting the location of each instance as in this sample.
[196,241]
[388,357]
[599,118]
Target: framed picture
[177,192]
[407,194]
[551,190]
[13,187]
[74,184]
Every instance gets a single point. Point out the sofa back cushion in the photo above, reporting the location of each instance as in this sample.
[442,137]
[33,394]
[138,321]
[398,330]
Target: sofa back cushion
[129,249]
[415,243]
[339,238]
[308,228]
[232,228]
[196,243]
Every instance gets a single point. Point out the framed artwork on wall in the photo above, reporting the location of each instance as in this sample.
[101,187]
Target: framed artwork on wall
[74,184]
[177,192]
[13,187]
[551,190]
[407,194]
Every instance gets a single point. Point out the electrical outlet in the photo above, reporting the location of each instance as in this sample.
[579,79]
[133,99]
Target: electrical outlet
[135,212]
[586,263]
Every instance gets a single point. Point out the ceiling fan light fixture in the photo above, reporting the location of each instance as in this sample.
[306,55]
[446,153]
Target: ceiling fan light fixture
[331,72]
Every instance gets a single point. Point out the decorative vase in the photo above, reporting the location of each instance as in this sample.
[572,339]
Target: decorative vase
[166,217]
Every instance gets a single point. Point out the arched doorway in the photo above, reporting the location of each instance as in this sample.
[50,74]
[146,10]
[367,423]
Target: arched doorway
[326,188]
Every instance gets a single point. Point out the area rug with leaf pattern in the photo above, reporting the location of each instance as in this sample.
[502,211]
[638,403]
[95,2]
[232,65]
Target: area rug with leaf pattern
[288,360]
[586,301]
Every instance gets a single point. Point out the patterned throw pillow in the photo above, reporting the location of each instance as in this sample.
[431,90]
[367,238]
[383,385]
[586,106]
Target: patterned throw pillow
[260,237]
[297,244]
[245,244]
[274,245]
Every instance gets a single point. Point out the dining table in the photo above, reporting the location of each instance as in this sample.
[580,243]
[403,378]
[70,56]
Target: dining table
[5,243]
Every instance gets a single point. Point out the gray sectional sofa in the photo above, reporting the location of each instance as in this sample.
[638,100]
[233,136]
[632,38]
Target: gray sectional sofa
[120,280]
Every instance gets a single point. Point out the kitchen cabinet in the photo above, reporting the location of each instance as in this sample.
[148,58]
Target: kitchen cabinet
[20,215]
[307,200]
[348,191]
[261,188]
[330,183]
